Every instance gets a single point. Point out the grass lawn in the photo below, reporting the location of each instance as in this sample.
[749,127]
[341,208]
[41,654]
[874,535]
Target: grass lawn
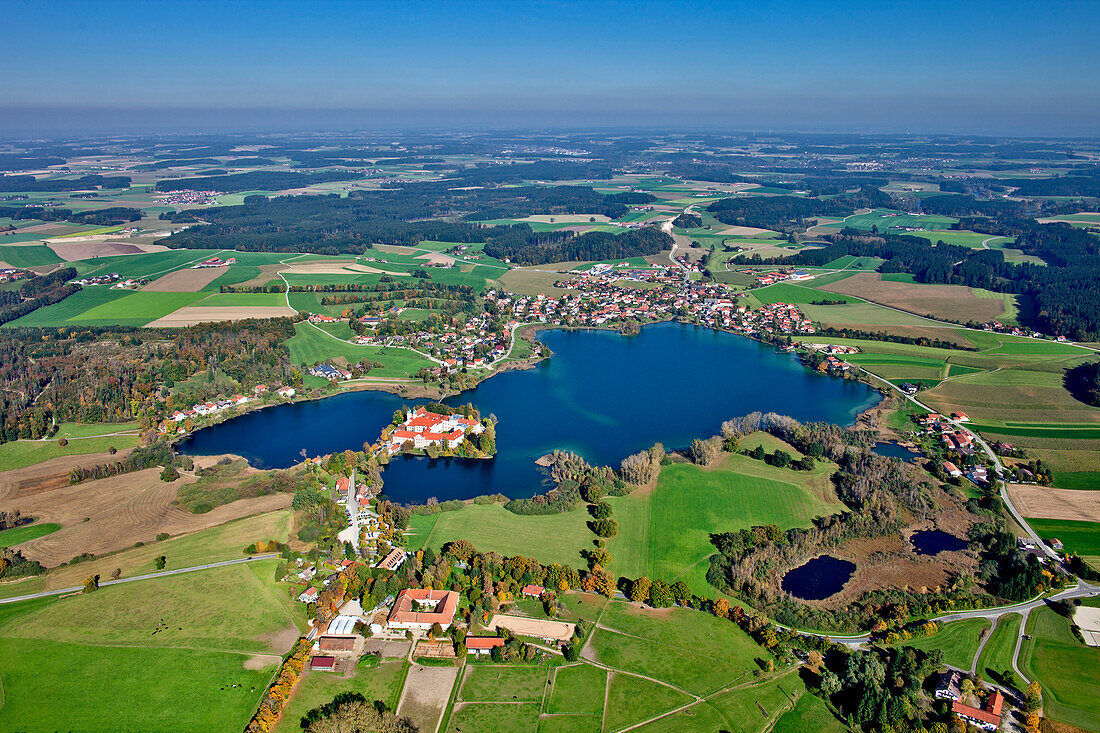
[997,655]
[959,641]
[135,688]
[28,255]
[380,682]
[12,537]
[1068,670]
[809,714]
[546,537]
[571,724]
[224,542]
[490,718]
[578,688]
[21,453]
[310,346]
[796,294]
[1082,538]
[503,683]
[632,699]
[242,300]
[666,532]
[164,654]
[707,653]
[230,608]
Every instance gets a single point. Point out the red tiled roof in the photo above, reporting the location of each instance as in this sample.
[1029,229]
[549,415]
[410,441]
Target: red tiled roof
[409,600]
[483,642]
[322,663]
[984,716]
[533,590]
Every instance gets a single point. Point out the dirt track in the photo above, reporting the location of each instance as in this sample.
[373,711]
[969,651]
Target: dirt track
[1043,502]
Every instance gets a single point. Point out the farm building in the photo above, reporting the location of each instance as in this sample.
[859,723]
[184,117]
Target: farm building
[482,645]
[533,591]
[419,608]
[394,560]
[987,717]
[322,664]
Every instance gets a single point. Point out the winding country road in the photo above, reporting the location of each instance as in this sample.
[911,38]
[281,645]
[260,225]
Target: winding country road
[148,576]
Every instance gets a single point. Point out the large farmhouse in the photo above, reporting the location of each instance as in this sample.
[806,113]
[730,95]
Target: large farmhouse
[422,429]
[419,608]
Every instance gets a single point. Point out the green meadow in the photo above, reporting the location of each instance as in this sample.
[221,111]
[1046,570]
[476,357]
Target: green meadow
[1068,670]
[665,533]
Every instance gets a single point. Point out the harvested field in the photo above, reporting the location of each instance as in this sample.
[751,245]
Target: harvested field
[48,475]
[190,315]
[437,258]
[427,691]
[119,511]
[744,231]
[330,268]
[566,218]
[1041,502]
[70,251]
[938,301]
[532,627]
[185,281]
[532,281]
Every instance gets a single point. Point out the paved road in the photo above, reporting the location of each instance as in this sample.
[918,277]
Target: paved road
[149,576]
[1081,590]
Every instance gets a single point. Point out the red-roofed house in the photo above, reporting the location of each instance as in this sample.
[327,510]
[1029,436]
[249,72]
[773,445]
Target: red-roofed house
[419,608]
[481,645]
[988,717]
[533,591]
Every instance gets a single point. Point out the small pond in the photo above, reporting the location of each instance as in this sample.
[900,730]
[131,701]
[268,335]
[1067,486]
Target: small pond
[819,578]
[935,541]
[893,450]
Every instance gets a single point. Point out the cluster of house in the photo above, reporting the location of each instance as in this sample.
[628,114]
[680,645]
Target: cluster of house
[111,277]
[987,717]
[602,299]
[206,409]
[476,344]
[422,428]
[214,262]
[953,439]
[190,198]
[776,276]
[11,274]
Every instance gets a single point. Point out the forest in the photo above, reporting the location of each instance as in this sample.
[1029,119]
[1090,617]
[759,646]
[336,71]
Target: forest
[780,213]
[114,374]
[38,292]
[328,224]
[97,217]
[522,245]
[30,183]
[1065,292]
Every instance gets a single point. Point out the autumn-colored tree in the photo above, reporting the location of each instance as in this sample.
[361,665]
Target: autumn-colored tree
[91,584]
[639,590]
[722,608]
[603,583]
[814,658]
[1033,697]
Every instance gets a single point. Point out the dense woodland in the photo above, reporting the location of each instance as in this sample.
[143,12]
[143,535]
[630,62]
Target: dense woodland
[523,246]
[30,183]
[406,216]
[119,374]
[36,293]
[97,217]
[1065,292]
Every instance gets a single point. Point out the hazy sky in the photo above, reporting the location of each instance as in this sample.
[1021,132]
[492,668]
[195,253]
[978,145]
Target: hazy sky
[961,66]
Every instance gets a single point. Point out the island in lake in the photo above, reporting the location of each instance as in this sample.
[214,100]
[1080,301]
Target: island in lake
[440,431]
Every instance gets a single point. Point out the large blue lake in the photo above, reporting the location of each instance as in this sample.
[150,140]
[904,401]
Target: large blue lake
[601,394]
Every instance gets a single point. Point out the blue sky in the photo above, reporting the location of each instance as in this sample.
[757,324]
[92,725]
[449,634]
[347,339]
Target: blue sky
[1000,67]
